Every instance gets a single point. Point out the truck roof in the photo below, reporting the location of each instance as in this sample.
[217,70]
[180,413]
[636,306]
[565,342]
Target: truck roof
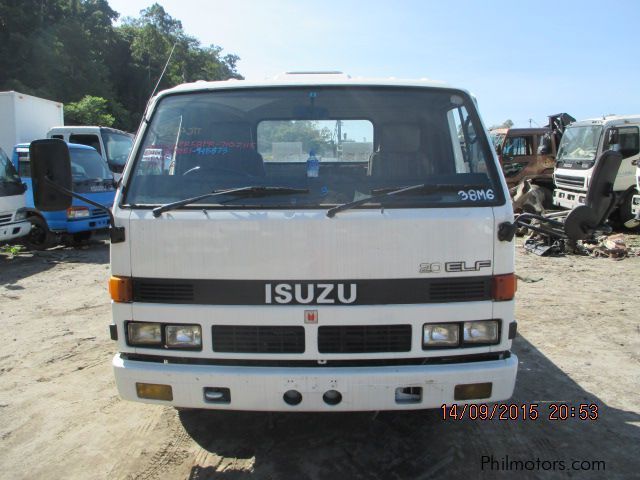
[85,128]
[609,120]
[78,146]
[302,79]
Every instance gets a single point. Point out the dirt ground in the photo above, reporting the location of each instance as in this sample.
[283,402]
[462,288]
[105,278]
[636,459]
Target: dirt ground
[61,417]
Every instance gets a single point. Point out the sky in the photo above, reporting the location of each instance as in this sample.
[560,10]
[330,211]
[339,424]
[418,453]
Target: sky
[522,60]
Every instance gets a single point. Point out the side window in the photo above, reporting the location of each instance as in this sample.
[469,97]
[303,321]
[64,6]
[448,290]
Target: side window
[468,155]
[518,146]
[90,140]
[629,141]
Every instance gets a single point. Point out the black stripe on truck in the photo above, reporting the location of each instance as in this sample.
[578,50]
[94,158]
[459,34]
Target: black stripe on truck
[325,292]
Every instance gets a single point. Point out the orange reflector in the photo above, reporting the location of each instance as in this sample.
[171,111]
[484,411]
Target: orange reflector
[472,391]
[121,289]
[154,391]
[504,287]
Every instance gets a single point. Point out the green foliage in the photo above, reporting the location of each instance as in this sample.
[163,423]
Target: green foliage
[11,251]
[70,50]
[88,111]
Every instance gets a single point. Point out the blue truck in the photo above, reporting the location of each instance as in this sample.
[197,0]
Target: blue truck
[91,178]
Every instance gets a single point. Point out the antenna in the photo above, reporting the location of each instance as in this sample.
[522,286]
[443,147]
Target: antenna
[164,69]
[144,114]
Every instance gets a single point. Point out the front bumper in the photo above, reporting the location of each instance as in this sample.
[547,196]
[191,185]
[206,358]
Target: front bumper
[568,199]
[362,388]
[14,230]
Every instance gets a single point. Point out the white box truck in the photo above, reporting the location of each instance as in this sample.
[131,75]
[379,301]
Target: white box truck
[380,280]
[26,118]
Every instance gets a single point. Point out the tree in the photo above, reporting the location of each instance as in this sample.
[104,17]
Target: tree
[89,111]
[65,50]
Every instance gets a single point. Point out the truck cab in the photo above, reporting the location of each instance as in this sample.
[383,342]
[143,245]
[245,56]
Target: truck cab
[582,144]
[525,153]
[313,243]
[90,177]
[114,145]
[13,216]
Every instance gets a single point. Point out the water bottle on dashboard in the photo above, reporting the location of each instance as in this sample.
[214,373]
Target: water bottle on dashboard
[313,164]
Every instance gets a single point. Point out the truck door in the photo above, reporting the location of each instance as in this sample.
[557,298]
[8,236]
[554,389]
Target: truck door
[517,153]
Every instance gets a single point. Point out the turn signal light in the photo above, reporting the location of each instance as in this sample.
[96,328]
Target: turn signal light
[121,289]
[504,287]
[154,391]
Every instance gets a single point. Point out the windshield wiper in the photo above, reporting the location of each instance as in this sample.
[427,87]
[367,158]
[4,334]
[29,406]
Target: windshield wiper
[253,191]
[383,193]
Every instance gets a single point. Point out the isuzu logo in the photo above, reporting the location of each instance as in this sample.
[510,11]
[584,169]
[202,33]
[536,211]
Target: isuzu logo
[310,293]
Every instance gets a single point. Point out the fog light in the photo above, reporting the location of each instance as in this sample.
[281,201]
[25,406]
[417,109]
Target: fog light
[440,335]
[154,391]
[481,332]
[144,334]
[472,391]
[183,336]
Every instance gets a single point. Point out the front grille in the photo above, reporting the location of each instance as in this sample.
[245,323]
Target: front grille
[569,181]
[364,338]
[98,212]
[149,291]
[257,339]
[5,219]
[460,289]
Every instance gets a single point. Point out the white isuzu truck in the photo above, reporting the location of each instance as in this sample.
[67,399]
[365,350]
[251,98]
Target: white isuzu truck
[581,146]
[312,243]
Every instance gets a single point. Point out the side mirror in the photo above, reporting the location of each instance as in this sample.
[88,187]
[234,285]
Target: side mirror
[499,149]
[24,187]
[50,172]
[612,136]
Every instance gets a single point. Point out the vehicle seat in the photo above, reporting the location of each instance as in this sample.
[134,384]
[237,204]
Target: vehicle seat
[398,153]
[227,146]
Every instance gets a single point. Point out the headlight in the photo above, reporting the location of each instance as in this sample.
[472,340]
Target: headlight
[183,336]
[483,331]
[139,333]
[440,335]
[21,215]
[78,212]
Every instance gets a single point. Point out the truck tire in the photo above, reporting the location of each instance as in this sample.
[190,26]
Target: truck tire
[40,237]
[624,213]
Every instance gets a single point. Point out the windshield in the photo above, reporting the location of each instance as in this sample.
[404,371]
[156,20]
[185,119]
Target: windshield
[579,144]
[117,146]
[335,145]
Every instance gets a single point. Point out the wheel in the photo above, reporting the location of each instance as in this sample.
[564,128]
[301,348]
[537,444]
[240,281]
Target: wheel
[624,214]
[40,237]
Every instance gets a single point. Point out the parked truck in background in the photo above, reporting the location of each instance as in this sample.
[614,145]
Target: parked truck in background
[381,279]
[582,144]
[90,177]
[24,118]
[114,145]
[529,154]
[13,215]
